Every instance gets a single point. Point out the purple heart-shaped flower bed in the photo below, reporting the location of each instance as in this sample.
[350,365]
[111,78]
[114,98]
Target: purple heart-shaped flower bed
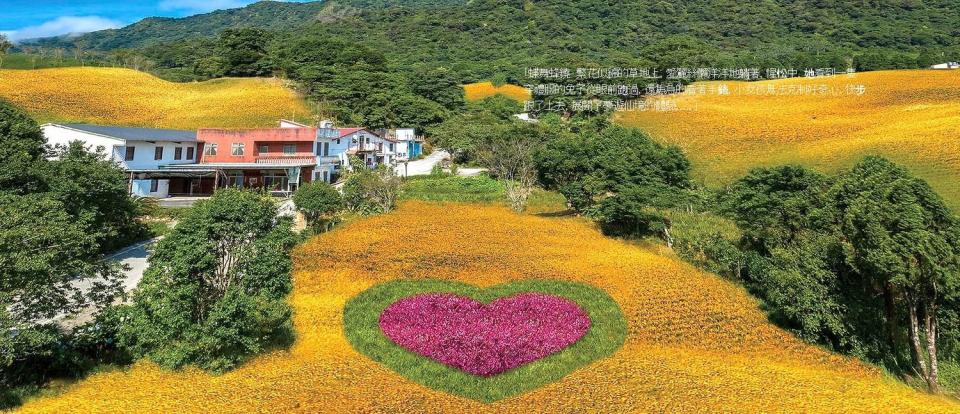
[484,339]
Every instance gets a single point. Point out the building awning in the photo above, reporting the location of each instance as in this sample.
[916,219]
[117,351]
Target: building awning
[179,173]
[240,166]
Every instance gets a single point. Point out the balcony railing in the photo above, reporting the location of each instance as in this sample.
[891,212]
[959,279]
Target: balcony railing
[293,158]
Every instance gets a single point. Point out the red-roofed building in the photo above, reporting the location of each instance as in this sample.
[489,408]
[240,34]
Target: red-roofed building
[279,159]
[273,159]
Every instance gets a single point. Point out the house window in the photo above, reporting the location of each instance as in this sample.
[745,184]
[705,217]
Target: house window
[264,149]
[177,153]
[210,149]
[338,141]
[154,185]
[391,147]
[189,153]
[326,149]
[158,153]
[275,180]
[289,149]
[319,148]
[237,149]
[128,156]
[235,179]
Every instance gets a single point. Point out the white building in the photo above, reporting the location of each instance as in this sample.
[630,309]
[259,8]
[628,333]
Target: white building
[948,65]
[372,149]
[409,144]
[142,152]
[335,146]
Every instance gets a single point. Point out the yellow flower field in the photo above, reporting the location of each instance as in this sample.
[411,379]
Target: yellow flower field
[911,117]
[696,343]
[480,90]
[126,97]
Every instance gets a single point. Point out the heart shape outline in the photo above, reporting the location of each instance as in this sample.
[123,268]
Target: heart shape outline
[607,334]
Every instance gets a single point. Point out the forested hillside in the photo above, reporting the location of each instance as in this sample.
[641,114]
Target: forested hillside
[392,63]
[265,14]
[492,38]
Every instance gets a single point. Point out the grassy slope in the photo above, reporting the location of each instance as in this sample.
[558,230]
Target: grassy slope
[23,61]
[130,98]
[912,117]
[696,343]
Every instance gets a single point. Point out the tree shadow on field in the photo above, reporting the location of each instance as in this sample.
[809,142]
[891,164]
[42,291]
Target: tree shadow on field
[562,213]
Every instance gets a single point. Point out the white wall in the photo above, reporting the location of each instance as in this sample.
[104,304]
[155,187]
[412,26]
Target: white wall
[56,134]
[406,134]
[143,154]
[290,124]
[142,188]
[116,148]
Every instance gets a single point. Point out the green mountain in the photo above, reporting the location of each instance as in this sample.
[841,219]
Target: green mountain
[271,15]
[482,38]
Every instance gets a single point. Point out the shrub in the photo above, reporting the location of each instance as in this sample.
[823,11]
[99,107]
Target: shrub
[372,191]
[591,169]
[317,200]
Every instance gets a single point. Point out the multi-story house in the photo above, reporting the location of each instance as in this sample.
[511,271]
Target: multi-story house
[273,159]
[371,148]
[165,163]
[144,153]
[331,153]
[409,144]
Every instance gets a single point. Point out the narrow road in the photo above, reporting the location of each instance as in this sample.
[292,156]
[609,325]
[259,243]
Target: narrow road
[134,261]
[421,166]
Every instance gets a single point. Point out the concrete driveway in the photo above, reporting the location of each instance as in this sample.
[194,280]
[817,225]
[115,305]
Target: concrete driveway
[421,166]
[134,261]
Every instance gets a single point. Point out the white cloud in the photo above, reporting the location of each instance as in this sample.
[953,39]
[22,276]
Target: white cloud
[64,25]
[201,5]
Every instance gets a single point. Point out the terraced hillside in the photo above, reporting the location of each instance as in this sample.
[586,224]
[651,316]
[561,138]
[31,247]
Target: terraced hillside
[695,342]
[126,97]
[912,117]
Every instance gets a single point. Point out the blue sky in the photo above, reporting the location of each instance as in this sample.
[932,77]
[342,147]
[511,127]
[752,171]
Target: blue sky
[24,19]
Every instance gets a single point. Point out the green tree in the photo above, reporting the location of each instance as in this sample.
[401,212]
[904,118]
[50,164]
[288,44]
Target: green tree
[5,46]
[317,201]
[482,121]
[774,206]
[244,52]
[414,111]
[598,164]
[901,235]
[21,151]
[508,152]
[60,217]
[926,58]
[439,85]
[214,291]
[371,191]
[102,194]
[43,249]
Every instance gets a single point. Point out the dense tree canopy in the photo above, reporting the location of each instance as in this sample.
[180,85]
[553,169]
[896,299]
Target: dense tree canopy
[214,292]
[60,216]
[867,262]
[21,151]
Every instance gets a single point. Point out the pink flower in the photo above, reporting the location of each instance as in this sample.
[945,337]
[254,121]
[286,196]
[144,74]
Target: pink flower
[484,339]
